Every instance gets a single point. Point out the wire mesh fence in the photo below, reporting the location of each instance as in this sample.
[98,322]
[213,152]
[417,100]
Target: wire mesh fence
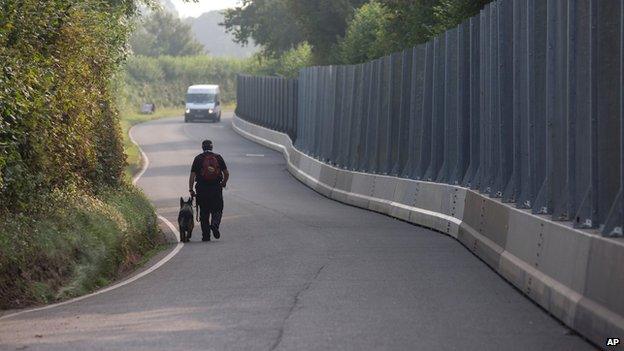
[522,102]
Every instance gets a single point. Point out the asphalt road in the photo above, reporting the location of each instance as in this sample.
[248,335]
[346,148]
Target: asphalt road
[292,271]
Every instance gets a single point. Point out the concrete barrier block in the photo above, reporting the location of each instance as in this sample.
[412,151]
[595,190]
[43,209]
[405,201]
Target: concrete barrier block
[404,194]
[426,219]
[480,245]
[522,240]
[383,193]
[304,164]
[447,195]
[563,255]
[605,277]
[474,205]
[560,301]
[429,197]
[343,185]
[597,322]
[406,191]
[385,188]
[295,157]
[327,180]
[459,202]
[452,229]
[362,189]
[283,139]
[315,169]
[495,221]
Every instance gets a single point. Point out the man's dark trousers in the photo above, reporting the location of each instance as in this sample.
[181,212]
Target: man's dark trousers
[210,201]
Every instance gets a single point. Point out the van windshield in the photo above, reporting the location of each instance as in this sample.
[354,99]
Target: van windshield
[200,98]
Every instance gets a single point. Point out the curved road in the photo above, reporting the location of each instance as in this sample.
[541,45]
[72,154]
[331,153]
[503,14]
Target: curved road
[292,271]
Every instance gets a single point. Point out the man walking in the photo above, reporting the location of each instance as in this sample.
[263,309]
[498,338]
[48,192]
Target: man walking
[209,175]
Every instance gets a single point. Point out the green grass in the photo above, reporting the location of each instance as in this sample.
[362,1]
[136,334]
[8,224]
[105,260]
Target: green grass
[76,243]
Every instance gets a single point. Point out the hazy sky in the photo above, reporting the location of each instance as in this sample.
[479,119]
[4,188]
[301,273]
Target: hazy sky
[191,9]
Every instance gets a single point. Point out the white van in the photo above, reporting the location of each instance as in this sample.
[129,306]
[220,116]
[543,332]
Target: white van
[202,103]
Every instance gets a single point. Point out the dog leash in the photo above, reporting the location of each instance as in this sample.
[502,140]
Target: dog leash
[196,210]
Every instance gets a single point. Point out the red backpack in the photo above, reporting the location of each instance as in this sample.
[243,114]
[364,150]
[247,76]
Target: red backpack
[211,169]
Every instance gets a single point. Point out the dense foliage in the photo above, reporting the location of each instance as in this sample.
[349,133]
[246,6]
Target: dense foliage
[415,22]
[319,23]
[366,37]
[58,121]
[68,221]
[161,34]
[78,244]
[345,31]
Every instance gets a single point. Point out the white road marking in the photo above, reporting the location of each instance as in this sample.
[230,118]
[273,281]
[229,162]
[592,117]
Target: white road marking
[129,280]
[254,155]
[144,159]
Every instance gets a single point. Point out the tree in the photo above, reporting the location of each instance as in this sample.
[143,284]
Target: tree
[163,34]
[323,23]
[367,37]
[450,13]
[410,22]
[281,25]
[414,22]
[268,22]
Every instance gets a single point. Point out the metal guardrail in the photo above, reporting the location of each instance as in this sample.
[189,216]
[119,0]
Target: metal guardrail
[523,102]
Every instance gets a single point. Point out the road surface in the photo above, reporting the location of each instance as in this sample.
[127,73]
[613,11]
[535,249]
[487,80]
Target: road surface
[292,271]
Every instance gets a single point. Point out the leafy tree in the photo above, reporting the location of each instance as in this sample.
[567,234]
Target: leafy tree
[164,34]
[450,13]
[294,60]
[268,22]
[58,122]
[281,25]
[366,37]
[323,23]
[410,22]
[287,64]
[414,22]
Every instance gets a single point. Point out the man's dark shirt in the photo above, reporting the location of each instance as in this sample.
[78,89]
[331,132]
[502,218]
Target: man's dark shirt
[197,168]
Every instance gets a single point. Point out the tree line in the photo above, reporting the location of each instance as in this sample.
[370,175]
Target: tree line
[344,31]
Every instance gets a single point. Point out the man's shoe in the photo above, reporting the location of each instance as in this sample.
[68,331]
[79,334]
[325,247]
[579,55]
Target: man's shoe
[206,237]
[215,232]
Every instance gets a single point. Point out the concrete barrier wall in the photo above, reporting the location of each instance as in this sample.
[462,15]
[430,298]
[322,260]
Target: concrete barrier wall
[578,276]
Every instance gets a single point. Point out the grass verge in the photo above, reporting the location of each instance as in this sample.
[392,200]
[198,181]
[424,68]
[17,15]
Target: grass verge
[75,244]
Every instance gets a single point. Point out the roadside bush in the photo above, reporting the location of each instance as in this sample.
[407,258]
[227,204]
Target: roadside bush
[286,64]
[68,221]
[59,123]
[366,37]
[80,244]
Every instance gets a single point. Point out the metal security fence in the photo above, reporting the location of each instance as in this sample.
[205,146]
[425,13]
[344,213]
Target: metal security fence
[522,102]
[268,101]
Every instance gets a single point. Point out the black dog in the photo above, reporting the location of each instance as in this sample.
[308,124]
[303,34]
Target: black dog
[185,219]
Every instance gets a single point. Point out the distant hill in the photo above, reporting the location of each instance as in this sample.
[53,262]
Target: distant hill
[217,42]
